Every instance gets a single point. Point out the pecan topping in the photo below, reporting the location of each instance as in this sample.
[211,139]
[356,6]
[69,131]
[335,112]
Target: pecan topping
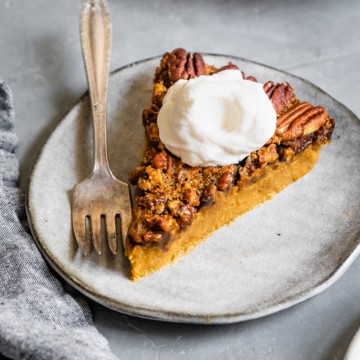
[191,196]
[160,160]
[158,94]
[267,154]
[269,88]
[155,237]
[281,95]
[229,66]
[209,196]
[175,63]
[316,120]
[170,165]
[302,119]
[152,178]
[163,161]
[299,144]
[153,203]
[165,222]
[149,116]
[285,153]
[149,155]
[199,64]
[211,175]
[187,213]
[251,78]
[323,135]
[284,121]
[174,207]
[135,231]
[251,163]
[227,179]
[179,64]
[152,133]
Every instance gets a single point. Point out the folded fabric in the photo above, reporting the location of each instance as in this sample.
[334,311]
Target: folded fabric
[38,318]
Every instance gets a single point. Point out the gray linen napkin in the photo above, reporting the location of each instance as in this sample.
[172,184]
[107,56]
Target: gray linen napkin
[38,318]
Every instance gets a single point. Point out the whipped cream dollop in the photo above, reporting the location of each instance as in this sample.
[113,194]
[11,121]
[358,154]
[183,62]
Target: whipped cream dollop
[215,120]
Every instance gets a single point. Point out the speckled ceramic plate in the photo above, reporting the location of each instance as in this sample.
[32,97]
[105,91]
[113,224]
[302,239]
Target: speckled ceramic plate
[284,252]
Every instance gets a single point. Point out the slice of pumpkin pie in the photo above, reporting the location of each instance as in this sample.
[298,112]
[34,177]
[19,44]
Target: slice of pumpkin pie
[218,144]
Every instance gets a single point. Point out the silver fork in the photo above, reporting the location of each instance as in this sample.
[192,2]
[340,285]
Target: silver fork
[100,201]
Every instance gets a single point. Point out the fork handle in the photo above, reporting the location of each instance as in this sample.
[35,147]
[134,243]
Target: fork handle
[95,30]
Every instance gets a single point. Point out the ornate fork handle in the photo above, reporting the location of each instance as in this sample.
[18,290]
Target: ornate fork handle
[96,46]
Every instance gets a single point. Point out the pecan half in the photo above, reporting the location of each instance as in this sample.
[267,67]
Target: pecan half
[179,64]
[284,121]
[229,66]
[251,78]
[269,88]
[160,161]
[163,161]
[199,64]
[281,95]
[302,119]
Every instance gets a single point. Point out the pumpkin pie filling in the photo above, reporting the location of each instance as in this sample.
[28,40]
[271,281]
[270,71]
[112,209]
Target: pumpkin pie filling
[177,206]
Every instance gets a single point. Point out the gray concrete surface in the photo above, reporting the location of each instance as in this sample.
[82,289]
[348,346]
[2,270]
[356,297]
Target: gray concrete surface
[319,40]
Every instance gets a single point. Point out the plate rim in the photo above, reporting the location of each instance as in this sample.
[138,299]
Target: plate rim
[181,317]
